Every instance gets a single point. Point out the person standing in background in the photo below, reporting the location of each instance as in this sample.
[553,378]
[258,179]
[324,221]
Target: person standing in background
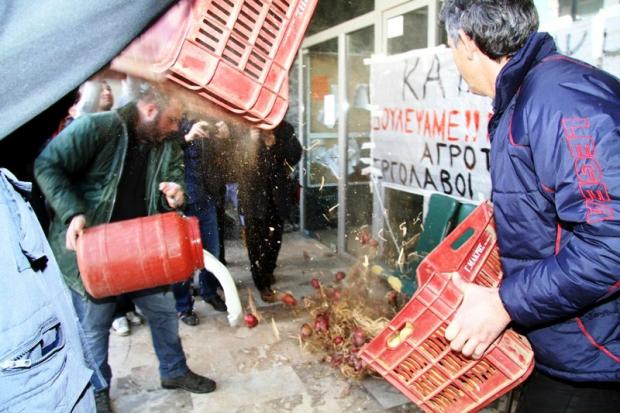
[95,96]
[264,198]
[200,139]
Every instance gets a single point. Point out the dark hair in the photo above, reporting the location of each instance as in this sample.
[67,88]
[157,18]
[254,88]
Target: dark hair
[499,27]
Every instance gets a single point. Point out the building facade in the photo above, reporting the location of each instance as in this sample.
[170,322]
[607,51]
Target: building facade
[334,97]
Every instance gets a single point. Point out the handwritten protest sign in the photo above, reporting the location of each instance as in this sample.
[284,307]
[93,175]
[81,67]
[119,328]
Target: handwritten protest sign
[428,131]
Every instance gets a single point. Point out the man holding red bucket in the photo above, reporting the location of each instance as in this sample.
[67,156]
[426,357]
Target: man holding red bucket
[96,171]
[556,181]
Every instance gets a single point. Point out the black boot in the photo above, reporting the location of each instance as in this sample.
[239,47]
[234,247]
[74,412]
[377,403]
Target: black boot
[267,295]
[191,382]
[217,303]
[190,318]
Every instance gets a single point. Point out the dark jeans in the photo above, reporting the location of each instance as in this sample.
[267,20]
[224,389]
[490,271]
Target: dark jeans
[207,218]
[123,305]
[544,394]
[221,220]
[96,318]
[263,238]
[220,208]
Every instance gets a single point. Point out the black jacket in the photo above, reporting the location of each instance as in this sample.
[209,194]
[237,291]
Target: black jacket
[264,184]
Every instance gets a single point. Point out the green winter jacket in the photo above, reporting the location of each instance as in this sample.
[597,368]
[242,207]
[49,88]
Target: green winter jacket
[79,171]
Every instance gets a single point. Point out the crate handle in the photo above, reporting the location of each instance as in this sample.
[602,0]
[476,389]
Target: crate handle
[462,239]
[400,335]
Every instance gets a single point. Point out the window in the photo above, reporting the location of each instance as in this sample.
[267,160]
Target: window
[360,46]
[579,8]
[408,31]
[331,13]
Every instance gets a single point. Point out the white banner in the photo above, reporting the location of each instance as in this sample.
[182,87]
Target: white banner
[428,131]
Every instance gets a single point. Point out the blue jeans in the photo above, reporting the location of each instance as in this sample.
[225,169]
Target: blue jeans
[207,217]
[232,195]
[42,363]
[96,318]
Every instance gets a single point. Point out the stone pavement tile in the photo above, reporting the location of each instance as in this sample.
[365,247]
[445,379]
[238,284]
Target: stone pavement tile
[129,351]
[404,408]
[141,391]
[159,401]
[330,392]
[254,388]
[266,356]
[302,403]
[294,403]
[386,395]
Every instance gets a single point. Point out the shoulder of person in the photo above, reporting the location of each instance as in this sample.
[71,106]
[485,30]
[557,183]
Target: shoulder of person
[99,120]
[560,80]
[81,128]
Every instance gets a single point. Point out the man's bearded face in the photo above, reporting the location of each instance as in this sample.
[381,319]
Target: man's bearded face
[165,123]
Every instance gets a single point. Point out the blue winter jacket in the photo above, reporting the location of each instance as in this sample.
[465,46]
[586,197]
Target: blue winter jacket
[555,168]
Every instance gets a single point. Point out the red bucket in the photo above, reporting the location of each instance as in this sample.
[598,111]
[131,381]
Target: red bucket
[139,253]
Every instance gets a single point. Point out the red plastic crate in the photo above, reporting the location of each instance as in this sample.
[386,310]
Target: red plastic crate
[236,54]
[412,353]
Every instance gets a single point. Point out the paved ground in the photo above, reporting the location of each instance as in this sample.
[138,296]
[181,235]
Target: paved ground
[254,370]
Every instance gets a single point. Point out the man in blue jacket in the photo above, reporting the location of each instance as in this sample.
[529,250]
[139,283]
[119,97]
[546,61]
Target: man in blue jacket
[555,169]
[200,141]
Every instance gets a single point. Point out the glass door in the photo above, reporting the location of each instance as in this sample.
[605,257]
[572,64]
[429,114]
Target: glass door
[322,161]
[358,199]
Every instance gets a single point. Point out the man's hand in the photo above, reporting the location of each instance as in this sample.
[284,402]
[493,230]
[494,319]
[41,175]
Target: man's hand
[76,226]
[199,130]
[223,131]
[174,194]
[479,320]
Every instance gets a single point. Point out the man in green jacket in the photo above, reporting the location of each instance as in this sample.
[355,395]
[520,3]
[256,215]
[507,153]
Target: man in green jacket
[107,167]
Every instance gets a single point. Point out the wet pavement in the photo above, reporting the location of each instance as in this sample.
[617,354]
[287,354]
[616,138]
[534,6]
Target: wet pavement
[259,369]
